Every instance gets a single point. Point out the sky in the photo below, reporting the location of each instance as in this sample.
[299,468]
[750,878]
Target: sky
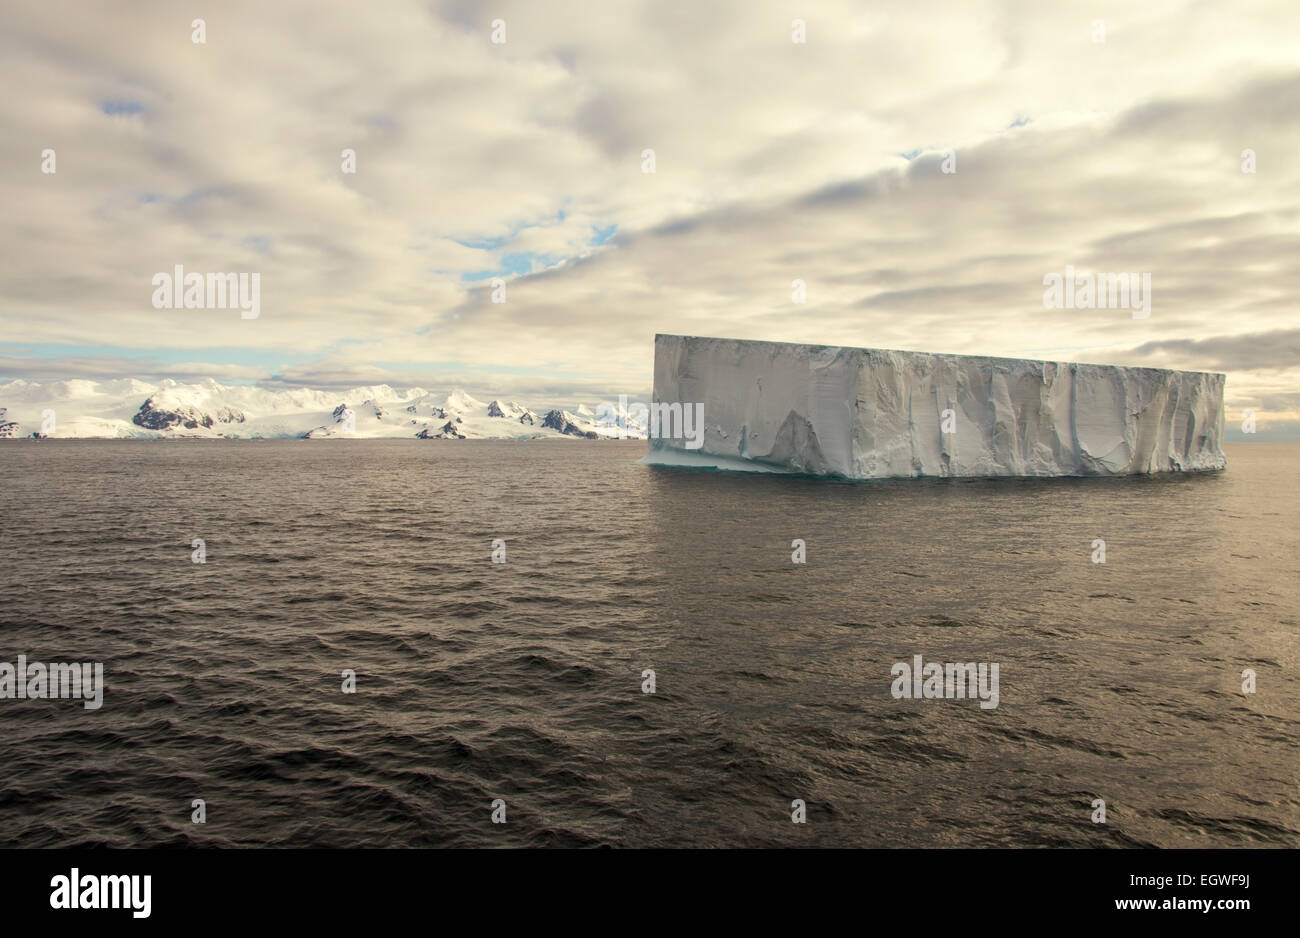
[822,161]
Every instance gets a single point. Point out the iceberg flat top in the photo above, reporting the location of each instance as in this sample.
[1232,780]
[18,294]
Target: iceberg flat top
[889,351]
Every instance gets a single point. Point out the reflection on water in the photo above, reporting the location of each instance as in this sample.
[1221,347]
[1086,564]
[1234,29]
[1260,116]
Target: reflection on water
[523,680]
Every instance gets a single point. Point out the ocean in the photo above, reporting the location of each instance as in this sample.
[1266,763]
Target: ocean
[522,683]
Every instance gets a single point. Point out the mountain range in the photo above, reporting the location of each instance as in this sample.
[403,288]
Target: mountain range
[130,408]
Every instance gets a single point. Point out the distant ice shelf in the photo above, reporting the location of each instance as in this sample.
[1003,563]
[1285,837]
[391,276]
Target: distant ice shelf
[132,409]
[860,413]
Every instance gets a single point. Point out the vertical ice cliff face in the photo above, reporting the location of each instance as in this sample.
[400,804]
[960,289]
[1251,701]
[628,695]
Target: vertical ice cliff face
[869,413]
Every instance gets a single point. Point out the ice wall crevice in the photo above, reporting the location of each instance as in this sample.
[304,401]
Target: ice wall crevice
[872,413]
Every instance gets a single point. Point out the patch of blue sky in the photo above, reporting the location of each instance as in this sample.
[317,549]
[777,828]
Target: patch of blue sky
[115,108]
[496,242]
[522,262]
[148,357]
[461,368]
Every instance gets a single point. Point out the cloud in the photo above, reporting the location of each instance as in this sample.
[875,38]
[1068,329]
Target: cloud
[775,162]
[1279,349]
[83,366]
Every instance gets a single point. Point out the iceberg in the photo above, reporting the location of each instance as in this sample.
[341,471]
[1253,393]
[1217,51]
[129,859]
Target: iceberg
[861,413]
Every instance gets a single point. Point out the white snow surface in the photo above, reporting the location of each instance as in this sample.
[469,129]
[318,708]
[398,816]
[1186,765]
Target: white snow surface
[85,408]
[860,413]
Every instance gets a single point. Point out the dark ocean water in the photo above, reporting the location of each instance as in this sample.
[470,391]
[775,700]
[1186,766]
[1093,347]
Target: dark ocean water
[522,680]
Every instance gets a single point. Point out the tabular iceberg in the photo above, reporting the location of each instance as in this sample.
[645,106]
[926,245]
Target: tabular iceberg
[859,413]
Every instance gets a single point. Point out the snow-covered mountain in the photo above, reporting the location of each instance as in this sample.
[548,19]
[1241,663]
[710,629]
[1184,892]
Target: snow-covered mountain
[127,408]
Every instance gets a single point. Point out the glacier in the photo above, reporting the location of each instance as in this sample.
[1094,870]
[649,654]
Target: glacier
[862,413]
[127,408]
